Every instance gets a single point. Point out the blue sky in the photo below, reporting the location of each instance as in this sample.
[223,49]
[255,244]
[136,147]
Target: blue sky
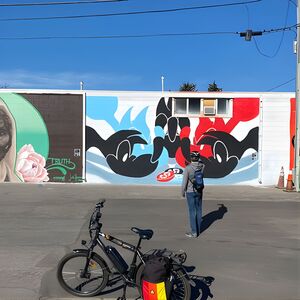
[138,64]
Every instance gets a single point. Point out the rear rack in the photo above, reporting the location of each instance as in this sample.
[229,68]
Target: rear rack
[178,256]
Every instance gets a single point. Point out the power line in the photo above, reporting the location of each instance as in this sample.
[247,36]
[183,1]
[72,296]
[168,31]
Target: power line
[281,84]
[118,36]
[57,3]
[131,13]
[281,39]
[293,2]
[286,28]
[249,33]
[140,35]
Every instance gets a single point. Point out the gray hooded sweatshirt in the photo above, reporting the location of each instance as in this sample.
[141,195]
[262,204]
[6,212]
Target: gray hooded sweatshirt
[188,176]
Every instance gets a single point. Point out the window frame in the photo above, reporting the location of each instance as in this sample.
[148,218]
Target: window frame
[229,108]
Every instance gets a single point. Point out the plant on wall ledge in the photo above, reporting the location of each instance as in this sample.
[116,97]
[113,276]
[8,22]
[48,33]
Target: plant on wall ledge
[188,87]
[213,87]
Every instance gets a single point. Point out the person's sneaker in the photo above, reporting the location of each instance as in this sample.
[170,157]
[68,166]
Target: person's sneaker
[191,235]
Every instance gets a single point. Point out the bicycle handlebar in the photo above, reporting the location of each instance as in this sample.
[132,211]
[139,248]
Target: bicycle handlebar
[100,204]
[96,215]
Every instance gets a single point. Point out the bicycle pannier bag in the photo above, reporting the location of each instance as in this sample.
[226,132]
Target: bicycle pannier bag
[198,182]
[155,279]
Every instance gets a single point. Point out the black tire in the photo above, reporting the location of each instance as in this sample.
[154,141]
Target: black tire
[68,274]
[181,288]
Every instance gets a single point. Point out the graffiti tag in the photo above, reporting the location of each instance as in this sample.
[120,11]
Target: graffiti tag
[165,176]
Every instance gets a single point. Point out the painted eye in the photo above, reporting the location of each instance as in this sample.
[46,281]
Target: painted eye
[3,132]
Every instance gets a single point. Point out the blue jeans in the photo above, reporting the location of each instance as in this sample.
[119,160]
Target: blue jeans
[194,201]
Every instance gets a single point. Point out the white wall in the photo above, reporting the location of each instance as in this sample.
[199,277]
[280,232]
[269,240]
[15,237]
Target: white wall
[274,137]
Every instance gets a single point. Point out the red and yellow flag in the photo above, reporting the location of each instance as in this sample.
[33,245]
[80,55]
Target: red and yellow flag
[154,291]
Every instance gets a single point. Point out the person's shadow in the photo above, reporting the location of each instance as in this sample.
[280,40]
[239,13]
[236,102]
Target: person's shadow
[213,216]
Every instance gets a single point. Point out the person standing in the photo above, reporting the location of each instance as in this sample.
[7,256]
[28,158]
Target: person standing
[193,197]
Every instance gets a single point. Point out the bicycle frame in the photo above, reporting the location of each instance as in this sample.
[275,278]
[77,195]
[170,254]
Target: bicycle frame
[129,276]
[95,268]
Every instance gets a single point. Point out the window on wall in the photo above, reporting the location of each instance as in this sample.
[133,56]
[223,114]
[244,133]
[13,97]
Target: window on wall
[180,106]
[209,107]
[194,107]
[223,106]
[199,107]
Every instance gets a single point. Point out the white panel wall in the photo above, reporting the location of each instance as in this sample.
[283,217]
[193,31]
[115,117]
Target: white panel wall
[275,137]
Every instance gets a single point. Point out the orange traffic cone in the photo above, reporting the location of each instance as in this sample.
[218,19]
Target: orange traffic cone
[289,184]
[280,184]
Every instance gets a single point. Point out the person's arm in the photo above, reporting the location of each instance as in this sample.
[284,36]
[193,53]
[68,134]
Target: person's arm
[203,167]
[184,183]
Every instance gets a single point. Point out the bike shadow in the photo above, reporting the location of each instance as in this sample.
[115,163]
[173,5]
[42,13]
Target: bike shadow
[213,216]
[113,285]
[201,289]
[200,285]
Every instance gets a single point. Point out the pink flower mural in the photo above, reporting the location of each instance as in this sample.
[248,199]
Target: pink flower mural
[31,165]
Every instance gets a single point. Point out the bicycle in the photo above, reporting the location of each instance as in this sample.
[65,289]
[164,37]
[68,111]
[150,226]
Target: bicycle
[85,273]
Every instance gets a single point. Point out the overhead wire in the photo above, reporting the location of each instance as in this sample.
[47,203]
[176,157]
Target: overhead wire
[58,3]
[118,36]
[131,13]
[248,15]
[142,35]
[281,39]
[280,85]
[293,2]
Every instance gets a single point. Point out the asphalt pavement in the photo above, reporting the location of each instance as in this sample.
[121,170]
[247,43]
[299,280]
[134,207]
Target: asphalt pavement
[249,245]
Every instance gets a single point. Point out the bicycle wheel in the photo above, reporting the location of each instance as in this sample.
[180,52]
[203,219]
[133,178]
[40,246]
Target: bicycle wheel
[180,286]
[69,274]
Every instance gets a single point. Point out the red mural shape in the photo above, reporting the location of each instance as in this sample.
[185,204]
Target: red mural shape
[165,176]
[292,132]
[244,110]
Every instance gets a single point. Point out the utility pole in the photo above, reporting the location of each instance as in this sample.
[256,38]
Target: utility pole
[297,134]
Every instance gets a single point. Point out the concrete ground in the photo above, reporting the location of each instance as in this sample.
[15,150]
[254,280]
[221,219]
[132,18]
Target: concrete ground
[251,249]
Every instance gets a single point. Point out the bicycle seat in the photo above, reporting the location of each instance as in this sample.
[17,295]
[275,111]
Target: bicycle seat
[145,234]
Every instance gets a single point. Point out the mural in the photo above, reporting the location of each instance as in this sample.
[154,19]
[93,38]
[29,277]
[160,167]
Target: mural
[292,132]
[7,145]
[150,148]
[128,140]
[35,129]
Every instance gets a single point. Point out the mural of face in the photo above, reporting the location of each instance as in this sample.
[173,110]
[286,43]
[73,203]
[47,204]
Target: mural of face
[7,145]
[5,133]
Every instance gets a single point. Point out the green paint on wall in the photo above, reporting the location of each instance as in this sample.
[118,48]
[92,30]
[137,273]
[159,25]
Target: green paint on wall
[30,126]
